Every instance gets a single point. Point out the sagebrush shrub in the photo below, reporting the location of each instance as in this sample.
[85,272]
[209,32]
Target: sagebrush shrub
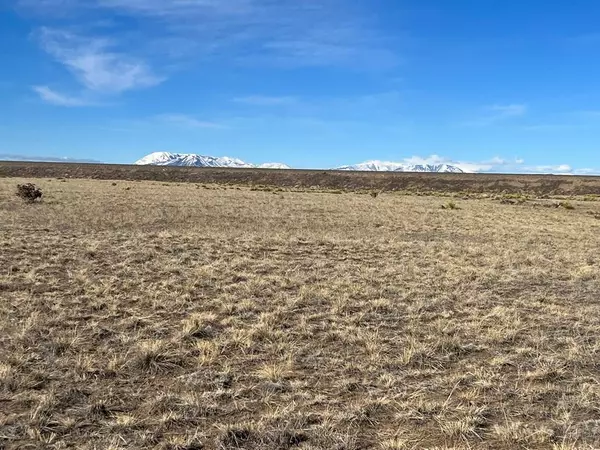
[29,192]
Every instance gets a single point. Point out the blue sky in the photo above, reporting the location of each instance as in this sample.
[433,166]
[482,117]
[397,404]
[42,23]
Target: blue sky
[494,85]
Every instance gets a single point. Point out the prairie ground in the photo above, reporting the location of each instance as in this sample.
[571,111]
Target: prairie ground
[156,315]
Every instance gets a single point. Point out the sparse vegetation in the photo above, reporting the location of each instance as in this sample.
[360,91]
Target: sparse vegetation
[591,198]
[235,319]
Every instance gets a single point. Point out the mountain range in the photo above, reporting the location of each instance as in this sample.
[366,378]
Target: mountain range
[386,166]
[193,160]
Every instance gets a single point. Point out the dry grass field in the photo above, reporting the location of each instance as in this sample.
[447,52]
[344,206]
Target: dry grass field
[155,315]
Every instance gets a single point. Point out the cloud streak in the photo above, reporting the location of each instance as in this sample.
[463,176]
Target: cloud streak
[188,121]
[28,158]
[495,114]
[95,64]
[505,111]
[180,8]
[286,33]
[263,100]
[53,97]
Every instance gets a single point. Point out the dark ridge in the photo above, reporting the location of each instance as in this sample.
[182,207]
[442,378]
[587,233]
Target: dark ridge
[319,179]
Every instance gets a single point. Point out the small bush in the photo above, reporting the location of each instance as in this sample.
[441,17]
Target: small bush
[450,205]
[29,192]
[154,357]
[374,194]
[566,205]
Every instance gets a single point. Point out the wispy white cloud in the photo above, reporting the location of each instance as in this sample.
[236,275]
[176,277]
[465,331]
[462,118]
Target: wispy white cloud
[550,127]
[586,171]
[56,98]
[188,121]
[263,100]
[385,106]
[20,157]
[514,110]
[560,168]
[95,64]
[180,8]
[498,113]
[567,121]
[284,32]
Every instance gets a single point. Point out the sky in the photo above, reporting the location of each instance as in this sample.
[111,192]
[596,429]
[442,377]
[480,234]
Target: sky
[490,85]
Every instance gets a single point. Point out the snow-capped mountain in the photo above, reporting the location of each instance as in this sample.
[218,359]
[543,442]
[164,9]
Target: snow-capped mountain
[191,160]
[374,166]
[446,168]
[273,166]
[387,166]
[181,159]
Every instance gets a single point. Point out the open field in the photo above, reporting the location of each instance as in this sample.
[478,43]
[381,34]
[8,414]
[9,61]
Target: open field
[156,315]
[316,179]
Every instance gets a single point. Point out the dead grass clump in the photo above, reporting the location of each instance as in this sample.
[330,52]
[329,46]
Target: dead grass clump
[9,380]
[201,326]
[277,371]
[154,357]
[263,434]
[208,352]
[471,423]
[518,433]
[183,443]
[235,437]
